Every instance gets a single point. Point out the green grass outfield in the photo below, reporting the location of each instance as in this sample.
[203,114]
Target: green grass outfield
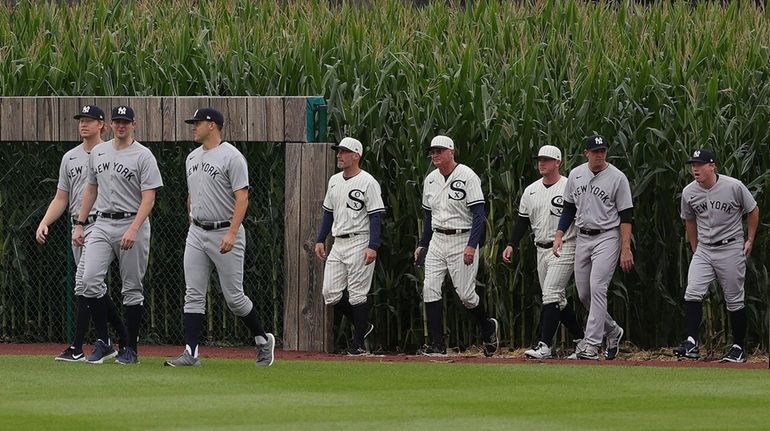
[38,393]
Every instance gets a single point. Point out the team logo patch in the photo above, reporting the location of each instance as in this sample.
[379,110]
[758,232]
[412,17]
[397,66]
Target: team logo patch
[122,110]
[86,109]
[696,153]
[557,205]
[355,200]
[598,140]
[457,188]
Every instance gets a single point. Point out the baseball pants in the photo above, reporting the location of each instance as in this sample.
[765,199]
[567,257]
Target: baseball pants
[596,258]
[103,246]
[201,251]
[727,264]
[80,264]
[555,272]
[445,254]
[345,269]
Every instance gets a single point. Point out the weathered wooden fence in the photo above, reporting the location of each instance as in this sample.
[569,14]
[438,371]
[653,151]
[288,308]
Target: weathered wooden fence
[297,122]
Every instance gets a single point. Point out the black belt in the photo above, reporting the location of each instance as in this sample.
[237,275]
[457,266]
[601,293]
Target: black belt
[211,225]
[723,242]
[450,231]
[544,244]
[90,219]
[348,235]
[591,232]
[115,216]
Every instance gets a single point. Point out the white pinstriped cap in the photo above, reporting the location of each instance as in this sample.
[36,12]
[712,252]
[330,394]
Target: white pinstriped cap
[442,141]
[350,144]
[549,151]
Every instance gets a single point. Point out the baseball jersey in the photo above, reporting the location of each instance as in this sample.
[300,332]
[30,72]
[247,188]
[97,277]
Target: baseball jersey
[122,176]
[718,211]
[543,206]
[351,201]
[212,178]
[598,197]
[449,199]
[73,172]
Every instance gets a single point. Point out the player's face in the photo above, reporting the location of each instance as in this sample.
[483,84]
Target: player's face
[122,128]
[547,165]
[346,158]
[596,158]
[89,127]
[441,156]
[703,172]
[201,130]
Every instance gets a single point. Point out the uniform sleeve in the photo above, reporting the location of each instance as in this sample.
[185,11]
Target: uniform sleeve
[91,175]
[150,173]
[569,188]
[239,173]
[426,196]
[623,197]
[328,205]
[685,210]
[474,194]
[373,198]
[64,181]
[746,199]
[524,205]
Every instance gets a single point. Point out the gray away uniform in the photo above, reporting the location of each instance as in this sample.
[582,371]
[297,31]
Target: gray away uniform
[598,199]
[718,213]
[213,176]
[122,176]
[73,171]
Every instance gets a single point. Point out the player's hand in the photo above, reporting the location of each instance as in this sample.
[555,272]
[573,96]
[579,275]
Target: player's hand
[468,255]
[227,243]
[369,256]
[626,260]
[417,254]
[320,250]
[41,233]
[747,247]
[128,240]
[557,243]
[78,237]
[507,253]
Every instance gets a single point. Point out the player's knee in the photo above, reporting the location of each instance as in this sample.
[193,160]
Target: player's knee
[331,298]
[734,302]
[240,305]
[356,299]
[470,301]
[430,295]
[691,296]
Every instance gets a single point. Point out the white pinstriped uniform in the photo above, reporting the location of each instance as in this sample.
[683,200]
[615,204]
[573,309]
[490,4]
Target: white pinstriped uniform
[351,201]
[543,206]
[449,201]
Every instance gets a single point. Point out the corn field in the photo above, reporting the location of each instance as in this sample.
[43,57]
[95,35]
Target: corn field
[501,78]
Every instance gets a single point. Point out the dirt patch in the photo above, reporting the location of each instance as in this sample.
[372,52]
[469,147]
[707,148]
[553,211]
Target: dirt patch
[627,356]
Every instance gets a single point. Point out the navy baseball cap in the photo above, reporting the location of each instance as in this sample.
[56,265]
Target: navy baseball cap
[596,142]
[703,155]
[207,114]
[122,112]
[90,111]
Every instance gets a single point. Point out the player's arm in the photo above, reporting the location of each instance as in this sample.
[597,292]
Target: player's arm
[565,221]
[752,219]
[323,232]
[239,213]
[189,209]
[375,231]
[691,228]
[427,234]
[55,209]
[519,229]
[626,228]
[89,197]
[145,206]
[477,228]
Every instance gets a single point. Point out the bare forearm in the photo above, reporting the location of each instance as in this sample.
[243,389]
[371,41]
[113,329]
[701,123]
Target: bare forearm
[239,212]
[692,233]
[89,197]
[145,207]
[56,208]
[753,222]
[625,236]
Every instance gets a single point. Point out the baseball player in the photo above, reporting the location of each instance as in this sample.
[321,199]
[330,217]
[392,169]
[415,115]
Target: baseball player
[218,187]
[123,177]
[352,211]
[540,207]
[597,198]
[453,205]
[712,207]
[69,193]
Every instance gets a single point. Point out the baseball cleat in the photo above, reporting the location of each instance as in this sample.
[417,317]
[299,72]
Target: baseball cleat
[71,355]
[101,352]
[265,351]
[585,351]
[492,344]
[356,351]
[369,331]
[613,343]
[687,349]
[127,356]
[433,350]
[541,351]
[735,355]
[184,360]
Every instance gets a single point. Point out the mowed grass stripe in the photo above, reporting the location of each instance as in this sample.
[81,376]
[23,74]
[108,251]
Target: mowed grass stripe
[38,393]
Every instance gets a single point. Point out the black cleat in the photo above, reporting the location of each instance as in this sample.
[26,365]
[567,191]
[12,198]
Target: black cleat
[687,349]
[432,350]
[735,355]
[71,355]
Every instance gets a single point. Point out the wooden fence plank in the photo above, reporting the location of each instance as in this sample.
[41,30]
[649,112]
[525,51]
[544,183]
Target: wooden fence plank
[47,119]
[153,122]
[295,121]
[185,108]
[292,245]
[256,124]
[12,117]
[234,110]
[68,127]
[168,105]
[274,119]
[28,121]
